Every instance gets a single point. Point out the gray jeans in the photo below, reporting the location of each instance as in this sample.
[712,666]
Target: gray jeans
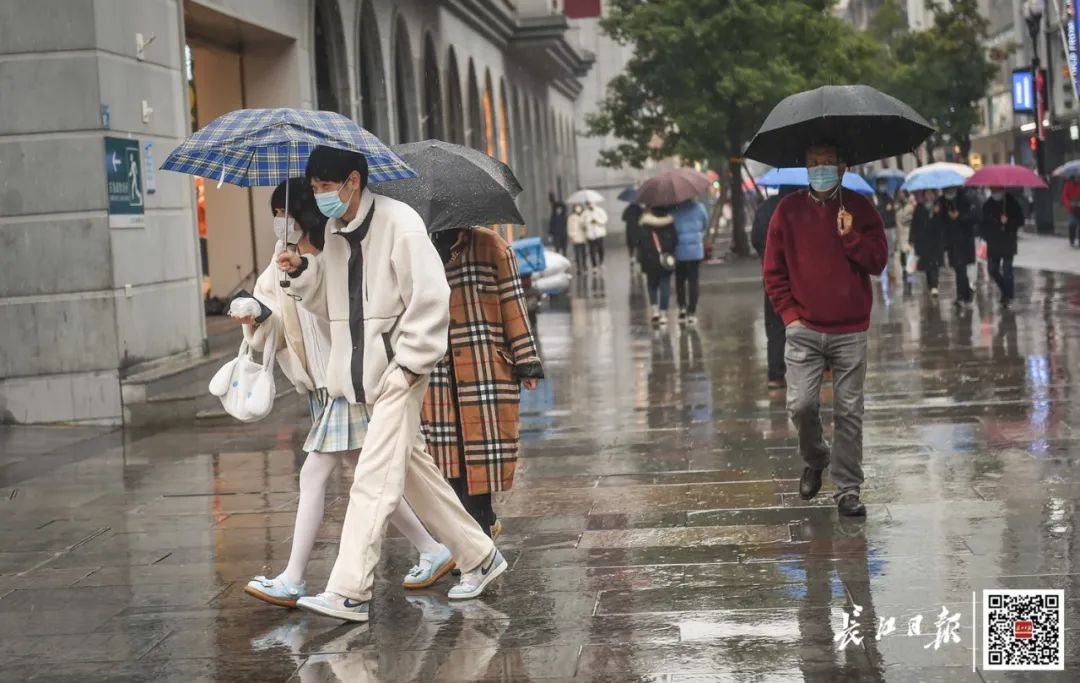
[806,354]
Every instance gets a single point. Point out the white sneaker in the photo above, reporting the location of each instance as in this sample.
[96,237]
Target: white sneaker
[474,582]
[276,591]
[691,320]
[331,604]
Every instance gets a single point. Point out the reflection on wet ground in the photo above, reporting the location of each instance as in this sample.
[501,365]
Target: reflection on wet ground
[655,533]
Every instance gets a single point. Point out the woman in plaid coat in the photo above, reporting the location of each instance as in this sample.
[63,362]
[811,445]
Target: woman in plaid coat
[470,414]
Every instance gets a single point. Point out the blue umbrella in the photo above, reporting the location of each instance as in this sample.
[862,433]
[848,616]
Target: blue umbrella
[266,146]
[628,194]
[934,180]
[893,178]
[797,176]
[1068,170]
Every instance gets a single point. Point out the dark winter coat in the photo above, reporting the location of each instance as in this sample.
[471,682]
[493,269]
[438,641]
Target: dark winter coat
[886,206]
[759,233]
[631,215]
[1001,236]
[959,231]
[663,228]
[927,237]
[557,224]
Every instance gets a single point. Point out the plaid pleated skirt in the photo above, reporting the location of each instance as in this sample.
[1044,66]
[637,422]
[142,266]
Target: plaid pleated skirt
[336,426]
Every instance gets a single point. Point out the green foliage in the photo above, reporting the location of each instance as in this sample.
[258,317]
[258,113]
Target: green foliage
[945,70]
[705,73]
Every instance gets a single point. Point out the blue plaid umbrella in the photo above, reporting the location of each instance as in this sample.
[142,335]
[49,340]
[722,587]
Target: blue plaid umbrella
[266,146]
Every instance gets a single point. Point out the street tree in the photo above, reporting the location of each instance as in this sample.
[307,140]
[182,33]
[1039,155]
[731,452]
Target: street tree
[705,73]
[945,71]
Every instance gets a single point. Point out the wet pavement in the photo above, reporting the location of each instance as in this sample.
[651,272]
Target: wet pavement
[654,531]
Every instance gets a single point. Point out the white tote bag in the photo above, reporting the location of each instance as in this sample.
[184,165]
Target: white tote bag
[246,388]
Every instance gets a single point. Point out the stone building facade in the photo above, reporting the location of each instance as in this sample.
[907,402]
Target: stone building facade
[85,298]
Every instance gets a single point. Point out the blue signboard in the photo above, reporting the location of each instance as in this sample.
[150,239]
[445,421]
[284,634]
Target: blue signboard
[1072,46]
[1023,92]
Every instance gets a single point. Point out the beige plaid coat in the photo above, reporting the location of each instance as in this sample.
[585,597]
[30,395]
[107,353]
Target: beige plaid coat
[473,400]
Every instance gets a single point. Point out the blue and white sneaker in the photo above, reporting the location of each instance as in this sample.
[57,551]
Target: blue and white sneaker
[474,582]
[431,569]
[331,604]
[276,591]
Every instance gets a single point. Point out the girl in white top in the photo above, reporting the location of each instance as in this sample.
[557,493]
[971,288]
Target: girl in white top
[338,427]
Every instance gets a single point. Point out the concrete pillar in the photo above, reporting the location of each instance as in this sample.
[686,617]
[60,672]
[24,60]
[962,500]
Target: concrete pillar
[79,300]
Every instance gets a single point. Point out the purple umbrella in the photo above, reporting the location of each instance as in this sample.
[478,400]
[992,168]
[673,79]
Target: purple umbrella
[672,187]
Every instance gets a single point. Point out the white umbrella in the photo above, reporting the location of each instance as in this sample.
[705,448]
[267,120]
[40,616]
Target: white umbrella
[963,169]
[585,197]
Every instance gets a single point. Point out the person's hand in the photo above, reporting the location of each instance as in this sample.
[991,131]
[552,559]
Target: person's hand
[410,377]
[844,222]
[954,214]
[246,320]
[530,383]
[795,323]
[288,261]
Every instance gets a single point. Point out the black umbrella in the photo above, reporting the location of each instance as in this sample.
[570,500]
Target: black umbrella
[455,187]
[865,123]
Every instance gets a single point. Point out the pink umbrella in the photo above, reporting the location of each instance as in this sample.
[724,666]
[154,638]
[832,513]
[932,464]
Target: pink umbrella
[1005,175]
[674,186]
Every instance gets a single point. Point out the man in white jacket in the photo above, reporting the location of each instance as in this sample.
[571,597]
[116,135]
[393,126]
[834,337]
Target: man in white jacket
[381,285]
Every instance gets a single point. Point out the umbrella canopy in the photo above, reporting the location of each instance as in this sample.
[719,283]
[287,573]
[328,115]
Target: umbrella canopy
[672,187]
[866,123]
[798,177]
[936,179]
[888,173]
[585,197]
[628,194]
[266,146]
[455,187]
[1005,175]
[961,169]
[1068,170]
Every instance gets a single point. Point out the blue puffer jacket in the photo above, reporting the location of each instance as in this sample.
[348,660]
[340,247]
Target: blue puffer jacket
[691,223]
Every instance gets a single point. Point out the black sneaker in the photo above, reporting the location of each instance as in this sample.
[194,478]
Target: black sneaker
[682,316]
[849,505]
[810,483]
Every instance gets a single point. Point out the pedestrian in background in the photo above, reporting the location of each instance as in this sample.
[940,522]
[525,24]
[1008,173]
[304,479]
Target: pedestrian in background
[1070,197]
[905,215]
[691,223]
[595,232]
[886,206]
[631,216]
[575,231]
[928,238]
[557,224]
[1002,218]
[470,414]
[657,259]
[823,247]
[958,221]
[774,325]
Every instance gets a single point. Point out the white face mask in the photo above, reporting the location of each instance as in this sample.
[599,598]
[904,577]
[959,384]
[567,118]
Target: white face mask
[284,229]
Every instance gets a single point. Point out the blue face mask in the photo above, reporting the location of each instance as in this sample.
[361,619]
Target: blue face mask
[330,203]
[823,178]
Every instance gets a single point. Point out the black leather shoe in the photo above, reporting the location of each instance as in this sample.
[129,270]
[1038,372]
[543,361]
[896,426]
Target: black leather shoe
[849,505]
[810,483]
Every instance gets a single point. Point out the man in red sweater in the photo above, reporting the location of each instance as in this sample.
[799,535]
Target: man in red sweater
[823,247]
[1070,197]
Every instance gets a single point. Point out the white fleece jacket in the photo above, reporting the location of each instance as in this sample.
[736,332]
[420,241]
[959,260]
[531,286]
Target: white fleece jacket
[404,299]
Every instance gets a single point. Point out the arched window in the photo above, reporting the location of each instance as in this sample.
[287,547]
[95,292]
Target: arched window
[477,135]
[433,116]
[373,103]
[504,125]
[331,82]
[404,84]
[455,108]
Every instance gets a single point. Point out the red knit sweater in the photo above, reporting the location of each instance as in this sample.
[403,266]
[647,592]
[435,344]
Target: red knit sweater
[813,274]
